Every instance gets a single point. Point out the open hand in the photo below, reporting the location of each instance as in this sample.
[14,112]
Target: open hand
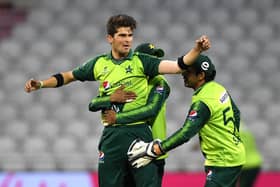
[109,117]
[122,96]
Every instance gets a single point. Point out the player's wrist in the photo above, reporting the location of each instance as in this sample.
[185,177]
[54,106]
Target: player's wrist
[157,148]
[41,84]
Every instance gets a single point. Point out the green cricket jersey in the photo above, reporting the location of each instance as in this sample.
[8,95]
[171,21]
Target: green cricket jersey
[132,71]
[153,112]
[216,118]
[253,156]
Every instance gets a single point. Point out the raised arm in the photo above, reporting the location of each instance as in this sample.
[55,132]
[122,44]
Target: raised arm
[173,67]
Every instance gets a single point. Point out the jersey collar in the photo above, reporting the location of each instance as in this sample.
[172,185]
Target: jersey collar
[200,88]
[128,57]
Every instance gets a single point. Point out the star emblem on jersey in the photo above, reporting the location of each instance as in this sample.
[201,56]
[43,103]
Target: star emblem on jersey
[151,46]
[128,69]
[105,70]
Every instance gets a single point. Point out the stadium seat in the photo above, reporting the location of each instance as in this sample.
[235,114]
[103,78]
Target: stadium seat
[11,48]
[17,129]
[12,162]
[64,145]
[7,144]
[262,32]
[233,32]
[42,161]
[271,17]
[267,64]
[247,47]
[72,162]
[47,129]
[221,48]
[247,17]
[25,33]
[77,129]
[41,19]
[219,17]
[249,111]
[35,114]
[43,48]
[59,35]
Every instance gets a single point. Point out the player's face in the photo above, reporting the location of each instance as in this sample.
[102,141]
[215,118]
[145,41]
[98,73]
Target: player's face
[121,42]
[191,78]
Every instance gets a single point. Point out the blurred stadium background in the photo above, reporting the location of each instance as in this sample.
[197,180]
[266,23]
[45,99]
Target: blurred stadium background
[52,130]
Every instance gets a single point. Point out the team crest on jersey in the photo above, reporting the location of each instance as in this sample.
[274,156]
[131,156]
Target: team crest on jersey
[159,89]
[192,115]
[128,69]
[101,156]
[105,70]
[106,85]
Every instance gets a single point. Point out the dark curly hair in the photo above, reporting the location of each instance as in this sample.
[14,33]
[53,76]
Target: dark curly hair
[118,21]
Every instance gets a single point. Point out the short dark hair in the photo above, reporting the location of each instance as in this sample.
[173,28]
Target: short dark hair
[120,20]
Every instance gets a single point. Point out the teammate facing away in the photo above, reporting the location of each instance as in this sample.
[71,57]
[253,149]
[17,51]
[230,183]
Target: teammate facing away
[215,117]
[252,167]
[154,112]
[121,66]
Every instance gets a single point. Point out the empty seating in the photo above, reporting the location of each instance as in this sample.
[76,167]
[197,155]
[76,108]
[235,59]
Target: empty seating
[148,28]
[11,48]
[77,129]
[41,18]
[25,33]
[44,161]
[267,64]
[47,129]
[13,162]
[42,48]
[247,47]
[52,129]
[233,33]
[262,32]
[219,17]
[16,129]
[247,17]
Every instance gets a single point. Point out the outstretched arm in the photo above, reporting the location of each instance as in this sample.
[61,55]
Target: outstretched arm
[198,115]
[52,82]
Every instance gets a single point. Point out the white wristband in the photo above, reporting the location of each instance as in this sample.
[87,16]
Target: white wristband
[41,84]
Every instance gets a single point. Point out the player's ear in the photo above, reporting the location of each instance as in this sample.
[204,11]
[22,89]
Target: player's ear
[109,38]
[201,75]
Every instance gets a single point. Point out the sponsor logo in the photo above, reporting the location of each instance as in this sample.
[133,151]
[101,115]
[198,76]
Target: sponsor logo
[106,85]
[159,89]
[101,157]
[209,175]
[224,97]
[205,66]
[192,115]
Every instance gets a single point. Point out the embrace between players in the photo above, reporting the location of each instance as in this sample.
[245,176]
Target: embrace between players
[132,95]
